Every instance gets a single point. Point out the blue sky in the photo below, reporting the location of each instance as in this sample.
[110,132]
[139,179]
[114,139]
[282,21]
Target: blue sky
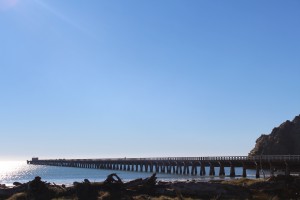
[145,78]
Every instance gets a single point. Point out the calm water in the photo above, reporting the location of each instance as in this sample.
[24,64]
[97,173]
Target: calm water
[21,172]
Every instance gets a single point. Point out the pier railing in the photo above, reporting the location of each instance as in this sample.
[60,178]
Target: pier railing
[209,158]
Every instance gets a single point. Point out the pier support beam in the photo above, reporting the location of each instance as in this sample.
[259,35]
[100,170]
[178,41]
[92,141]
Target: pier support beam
[179,169]
[244,172]
[141,167]
[146,167]
[151,167]
[194,169]
[202,170]
[156,168]
[163,168]
[222,170]
[257,175]
[186,169]
[136,167]
[212,170]
[169,169]
[232,171]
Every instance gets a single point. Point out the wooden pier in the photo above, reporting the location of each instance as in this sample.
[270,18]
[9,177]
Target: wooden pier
[185,165]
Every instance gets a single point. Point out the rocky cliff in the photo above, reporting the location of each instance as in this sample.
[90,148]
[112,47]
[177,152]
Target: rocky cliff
[283,140]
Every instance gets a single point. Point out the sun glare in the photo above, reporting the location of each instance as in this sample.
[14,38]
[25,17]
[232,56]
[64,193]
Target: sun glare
[8,166]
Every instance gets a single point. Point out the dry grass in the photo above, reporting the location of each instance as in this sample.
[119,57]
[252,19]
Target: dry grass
[142,197]
[104,195]
[242,181]
[18,196]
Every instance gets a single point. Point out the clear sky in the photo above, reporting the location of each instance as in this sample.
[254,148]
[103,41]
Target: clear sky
[92,79]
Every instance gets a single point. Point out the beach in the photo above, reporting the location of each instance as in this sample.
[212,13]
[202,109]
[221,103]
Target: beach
[279,187]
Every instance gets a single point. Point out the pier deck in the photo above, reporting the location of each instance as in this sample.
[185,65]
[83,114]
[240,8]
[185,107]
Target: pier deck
[184,165]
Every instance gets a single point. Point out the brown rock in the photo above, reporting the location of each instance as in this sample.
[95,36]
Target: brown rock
[283,140]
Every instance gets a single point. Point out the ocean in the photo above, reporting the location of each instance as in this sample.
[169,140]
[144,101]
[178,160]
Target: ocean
[19,171]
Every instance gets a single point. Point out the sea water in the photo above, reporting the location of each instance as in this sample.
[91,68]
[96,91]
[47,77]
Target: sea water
[20,171]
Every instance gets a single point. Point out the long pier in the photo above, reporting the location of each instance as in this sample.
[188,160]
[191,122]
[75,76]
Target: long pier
[185,165]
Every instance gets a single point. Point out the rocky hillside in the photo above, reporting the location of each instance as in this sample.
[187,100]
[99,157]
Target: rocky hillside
[283,140]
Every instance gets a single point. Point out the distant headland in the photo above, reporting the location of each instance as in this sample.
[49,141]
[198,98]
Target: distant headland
[283,140]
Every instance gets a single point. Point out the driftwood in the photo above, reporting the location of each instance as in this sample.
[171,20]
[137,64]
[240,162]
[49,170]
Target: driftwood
[62,187]
[113,179]
[141,184]
[112,183]
[115,182]
[35,189]
[17,183]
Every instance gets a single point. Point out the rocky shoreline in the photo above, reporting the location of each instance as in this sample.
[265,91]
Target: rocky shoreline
[279,187]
